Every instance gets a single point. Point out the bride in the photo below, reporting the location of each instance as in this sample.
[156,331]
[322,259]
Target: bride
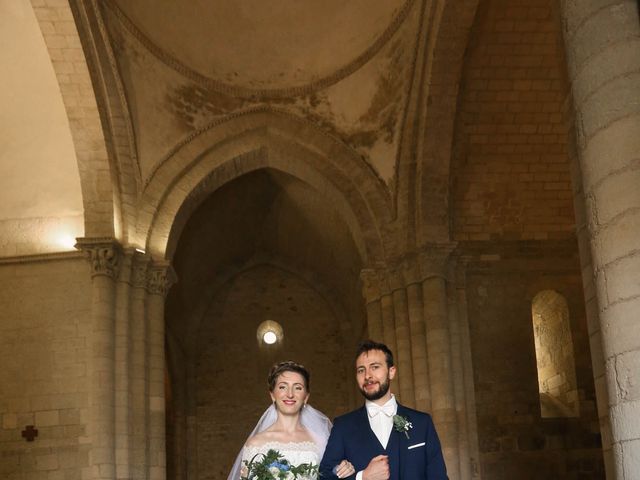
[290,426]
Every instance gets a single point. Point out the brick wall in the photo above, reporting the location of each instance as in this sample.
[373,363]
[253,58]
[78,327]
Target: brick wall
[44,325]
[511,170]
[231,370]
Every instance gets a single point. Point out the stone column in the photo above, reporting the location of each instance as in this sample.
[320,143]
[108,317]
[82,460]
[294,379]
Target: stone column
[161,277]
[602,43]
[472,468]
[433,264]
[138,368]
[104,255]
[422,390]
[371,293]
[403,338]
[459,372]
[591,308]
[122,357]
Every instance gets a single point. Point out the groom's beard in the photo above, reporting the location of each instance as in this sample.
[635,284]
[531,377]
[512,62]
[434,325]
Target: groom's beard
[381,392]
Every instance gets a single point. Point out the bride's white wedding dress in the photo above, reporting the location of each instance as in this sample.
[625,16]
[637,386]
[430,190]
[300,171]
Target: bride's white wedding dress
[295,452]
[316,423]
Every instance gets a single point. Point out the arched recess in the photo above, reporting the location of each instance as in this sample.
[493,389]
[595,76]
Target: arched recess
[255,140]
[428,130]
[210,259]
[557,382]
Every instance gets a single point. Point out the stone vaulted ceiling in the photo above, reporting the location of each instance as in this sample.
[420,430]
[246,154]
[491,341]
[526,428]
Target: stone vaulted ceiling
[259,45]
[345,67]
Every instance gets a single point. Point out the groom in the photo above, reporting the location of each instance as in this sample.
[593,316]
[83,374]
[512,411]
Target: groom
[383,440]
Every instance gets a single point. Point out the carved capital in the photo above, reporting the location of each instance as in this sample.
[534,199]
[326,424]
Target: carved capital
[139,270]
[434,260]
[160,279]
[104,255]
[384,281]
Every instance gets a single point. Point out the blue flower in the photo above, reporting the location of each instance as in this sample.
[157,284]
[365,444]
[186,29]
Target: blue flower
[280,466]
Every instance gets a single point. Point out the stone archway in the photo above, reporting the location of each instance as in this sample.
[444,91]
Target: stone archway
[254,140]
[220,296]
[219,156]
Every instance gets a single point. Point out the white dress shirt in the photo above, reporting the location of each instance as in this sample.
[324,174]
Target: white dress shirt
[381,421]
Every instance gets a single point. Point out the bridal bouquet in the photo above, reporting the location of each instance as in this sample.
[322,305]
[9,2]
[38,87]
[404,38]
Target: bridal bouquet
[273,466]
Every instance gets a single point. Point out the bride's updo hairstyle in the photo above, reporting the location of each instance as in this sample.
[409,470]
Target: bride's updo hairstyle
[288,366]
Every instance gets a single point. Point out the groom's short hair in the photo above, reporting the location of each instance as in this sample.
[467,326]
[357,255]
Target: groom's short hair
[368,345]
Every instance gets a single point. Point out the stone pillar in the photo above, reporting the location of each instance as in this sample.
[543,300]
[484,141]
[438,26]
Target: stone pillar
[104,255]
[602,44]
[422,390]
[460,384]
[122,357]
[591,308]
[472,469]
[433,263]
[161,276]
[403,340]
[138,368]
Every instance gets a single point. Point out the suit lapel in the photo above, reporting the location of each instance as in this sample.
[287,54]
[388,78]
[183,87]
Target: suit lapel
[371,441]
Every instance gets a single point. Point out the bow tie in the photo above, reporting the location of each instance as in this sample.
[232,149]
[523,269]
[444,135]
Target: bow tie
[373,409]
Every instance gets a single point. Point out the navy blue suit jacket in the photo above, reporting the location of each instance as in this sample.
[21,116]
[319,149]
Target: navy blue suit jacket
[418,457]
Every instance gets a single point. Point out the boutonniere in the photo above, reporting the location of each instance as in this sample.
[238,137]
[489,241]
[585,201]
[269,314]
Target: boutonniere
[402,424]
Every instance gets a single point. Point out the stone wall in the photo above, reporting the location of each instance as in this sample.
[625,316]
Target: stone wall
[44,329]
[231,369]
[514,440]
[510,166]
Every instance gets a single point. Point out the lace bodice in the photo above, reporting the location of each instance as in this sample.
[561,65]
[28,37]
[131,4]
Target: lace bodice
[295,452]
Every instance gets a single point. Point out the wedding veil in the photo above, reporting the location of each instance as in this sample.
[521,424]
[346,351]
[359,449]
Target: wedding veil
[316,423]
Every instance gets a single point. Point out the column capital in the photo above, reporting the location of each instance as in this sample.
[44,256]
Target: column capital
[160,278]
[140,269]
[462,261]
[410,267]
[395,277]
[434,259]
[370,284]
[104,253]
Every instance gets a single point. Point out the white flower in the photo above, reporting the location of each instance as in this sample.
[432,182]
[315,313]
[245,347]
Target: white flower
[290,476]
[402,424]
[274,471]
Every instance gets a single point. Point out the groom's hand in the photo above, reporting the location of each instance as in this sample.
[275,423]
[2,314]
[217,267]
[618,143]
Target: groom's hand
[378,469]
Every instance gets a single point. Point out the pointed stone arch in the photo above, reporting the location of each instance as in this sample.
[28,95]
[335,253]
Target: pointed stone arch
[255,140]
